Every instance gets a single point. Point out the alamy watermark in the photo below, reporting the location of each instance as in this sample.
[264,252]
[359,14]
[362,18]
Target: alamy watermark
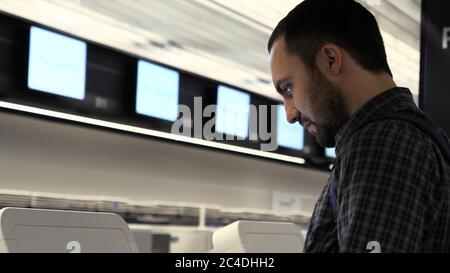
[236,122]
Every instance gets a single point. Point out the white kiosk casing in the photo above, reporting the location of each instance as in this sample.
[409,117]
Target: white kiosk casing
[258,237]
[57,231]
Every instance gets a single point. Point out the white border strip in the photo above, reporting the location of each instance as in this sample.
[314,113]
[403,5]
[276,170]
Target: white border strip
[148,132]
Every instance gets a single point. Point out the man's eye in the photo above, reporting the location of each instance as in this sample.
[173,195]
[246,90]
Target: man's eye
[287,90]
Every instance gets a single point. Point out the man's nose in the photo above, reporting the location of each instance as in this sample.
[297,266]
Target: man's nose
[292,115]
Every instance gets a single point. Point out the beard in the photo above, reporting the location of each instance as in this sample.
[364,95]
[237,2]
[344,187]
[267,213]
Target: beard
[328,109]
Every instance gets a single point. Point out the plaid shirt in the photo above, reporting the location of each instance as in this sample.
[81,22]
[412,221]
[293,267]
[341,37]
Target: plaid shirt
[392,185]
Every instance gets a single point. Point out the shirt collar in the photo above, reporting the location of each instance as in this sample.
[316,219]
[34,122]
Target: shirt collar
[391,100]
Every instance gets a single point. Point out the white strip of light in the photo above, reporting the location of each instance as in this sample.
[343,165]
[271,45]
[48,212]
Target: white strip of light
[148,132]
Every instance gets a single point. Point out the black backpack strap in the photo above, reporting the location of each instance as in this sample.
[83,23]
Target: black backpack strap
[333,197]
[419,123]
[422,125]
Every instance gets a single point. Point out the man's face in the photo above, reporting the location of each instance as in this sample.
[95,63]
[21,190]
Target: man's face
[309,98]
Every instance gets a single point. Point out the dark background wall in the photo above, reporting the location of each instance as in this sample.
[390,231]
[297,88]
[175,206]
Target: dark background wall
[435,62]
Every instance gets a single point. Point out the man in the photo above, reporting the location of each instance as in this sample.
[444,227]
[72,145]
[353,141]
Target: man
[389,190]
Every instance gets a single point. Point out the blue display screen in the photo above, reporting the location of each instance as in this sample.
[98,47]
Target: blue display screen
[330,152]
[157,91]
[233,107]
[288,135]
[57,64]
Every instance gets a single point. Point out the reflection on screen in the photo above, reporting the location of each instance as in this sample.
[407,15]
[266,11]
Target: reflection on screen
[157,91]
[330,152]
[233,109]
[57,64]
[289,135]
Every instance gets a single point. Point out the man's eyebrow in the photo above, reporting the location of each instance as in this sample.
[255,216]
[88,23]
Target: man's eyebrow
[281,82]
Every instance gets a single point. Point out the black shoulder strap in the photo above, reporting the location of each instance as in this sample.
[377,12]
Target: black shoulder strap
[422,125]
[419,123]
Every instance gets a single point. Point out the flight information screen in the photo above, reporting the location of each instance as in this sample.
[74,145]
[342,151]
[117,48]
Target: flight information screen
[233,108]
[288,135]
[330,152]
[57,64]
[157,91]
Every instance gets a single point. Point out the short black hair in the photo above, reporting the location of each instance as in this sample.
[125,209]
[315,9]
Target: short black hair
[345,23]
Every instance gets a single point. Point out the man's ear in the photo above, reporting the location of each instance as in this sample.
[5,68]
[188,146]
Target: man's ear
[329,60]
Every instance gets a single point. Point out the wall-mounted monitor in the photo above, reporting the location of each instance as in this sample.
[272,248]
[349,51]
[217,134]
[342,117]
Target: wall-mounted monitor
[57,64]
[233,108]
[289,135]
[157,91]
[330,152]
